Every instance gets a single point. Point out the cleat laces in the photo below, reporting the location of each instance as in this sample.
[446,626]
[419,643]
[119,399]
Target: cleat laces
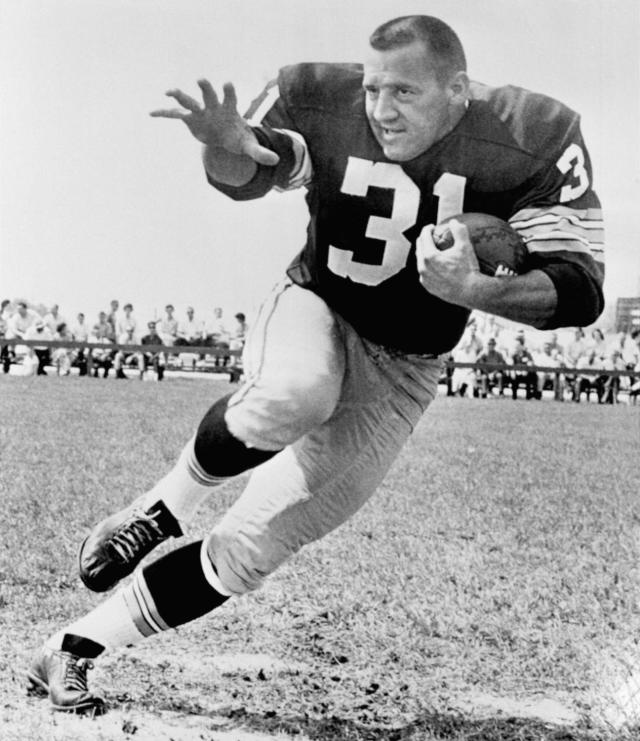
[75,674]
[140,530]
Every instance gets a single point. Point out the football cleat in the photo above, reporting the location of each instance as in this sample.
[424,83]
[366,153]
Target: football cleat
[118,544]
[63,677]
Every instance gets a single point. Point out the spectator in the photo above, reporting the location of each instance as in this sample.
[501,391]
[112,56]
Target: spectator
[586,383]
[40,331]
[239,332]
[467,351]
[487,379]
[80,333]
[522,356]
[106,327]
[21,320]
[101,356]
[168,327]
[61,356]
[126,322]
[576,349]
[113,317]
[634,388]
[612,384]
[6,352]
[155,359]
[190,330]
[550,357]
[218,336]
[53,319]
[125,358]
[599,343]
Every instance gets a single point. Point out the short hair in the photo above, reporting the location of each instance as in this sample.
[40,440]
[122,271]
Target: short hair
[128,306]
[439,38]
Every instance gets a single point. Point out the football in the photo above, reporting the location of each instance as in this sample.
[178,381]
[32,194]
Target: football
[499,248]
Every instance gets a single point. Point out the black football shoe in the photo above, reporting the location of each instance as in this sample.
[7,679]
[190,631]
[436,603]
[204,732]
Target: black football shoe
[63,677]
[118,544]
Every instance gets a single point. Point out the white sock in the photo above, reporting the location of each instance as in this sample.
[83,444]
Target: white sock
[110,624]
[185,487]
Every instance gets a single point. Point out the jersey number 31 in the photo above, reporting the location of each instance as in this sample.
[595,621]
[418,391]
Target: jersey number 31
[362,174]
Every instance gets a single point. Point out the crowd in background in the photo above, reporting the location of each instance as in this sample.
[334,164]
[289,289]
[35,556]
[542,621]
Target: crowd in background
[486,340]
[115,326]
[584,352]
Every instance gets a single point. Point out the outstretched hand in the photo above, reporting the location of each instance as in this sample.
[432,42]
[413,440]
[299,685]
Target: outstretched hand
[216,124]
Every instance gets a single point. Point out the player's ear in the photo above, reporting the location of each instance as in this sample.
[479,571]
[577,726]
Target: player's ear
[459,87]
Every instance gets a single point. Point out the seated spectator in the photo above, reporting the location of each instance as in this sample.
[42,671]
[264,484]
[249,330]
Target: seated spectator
[586,383]
[102,355]
[20,321]
[53,318]
[113,317]
[190,330]
[575,349]
[598,343]
[6,353]
[550,357]
[106,327]
[612,384]
[61,356]
[238,334]
[522,356]
[487,379]
[40,331]
[80,333]
[217,335]
[168,327]
[466,351]
[125,358]
[153,359]
[126,322]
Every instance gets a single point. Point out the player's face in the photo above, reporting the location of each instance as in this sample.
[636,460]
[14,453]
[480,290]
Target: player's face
[408,109]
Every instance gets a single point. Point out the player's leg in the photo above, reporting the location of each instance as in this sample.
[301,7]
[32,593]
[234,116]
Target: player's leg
[316,484]
[294,363]
[169,592]
[297,497]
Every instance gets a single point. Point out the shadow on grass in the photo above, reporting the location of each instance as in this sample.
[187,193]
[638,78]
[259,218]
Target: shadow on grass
[431,726]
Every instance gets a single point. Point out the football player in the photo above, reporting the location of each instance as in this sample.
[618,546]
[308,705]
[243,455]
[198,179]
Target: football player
[335,378]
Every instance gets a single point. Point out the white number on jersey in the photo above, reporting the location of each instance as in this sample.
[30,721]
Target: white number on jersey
[573,159]
[362,174]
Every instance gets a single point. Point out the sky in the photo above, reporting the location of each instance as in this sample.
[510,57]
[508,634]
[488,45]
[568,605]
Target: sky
[98,200]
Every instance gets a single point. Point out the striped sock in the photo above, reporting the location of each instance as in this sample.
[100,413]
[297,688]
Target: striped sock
[169,592]
[110,624]
[185,487]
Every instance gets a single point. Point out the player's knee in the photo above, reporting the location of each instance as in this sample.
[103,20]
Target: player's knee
[282,411]
[242,559]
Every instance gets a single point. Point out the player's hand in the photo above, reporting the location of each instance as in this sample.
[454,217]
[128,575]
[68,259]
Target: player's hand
[216,124]
[452,274]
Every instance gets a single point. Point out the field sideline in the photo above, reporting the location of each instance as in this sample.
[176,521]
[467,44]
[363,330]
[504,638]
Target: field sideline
[490,587]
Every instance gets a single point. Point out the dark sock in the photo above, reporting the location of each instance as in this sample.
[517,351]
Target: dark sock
[179,588]
[80,646]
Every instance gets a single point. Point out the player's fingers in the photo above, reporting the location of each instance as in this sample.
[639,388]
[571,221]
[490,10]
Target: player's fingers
[260,154]
[425,246]
[170,113]
[230,99]
[209,95]
[459,231]
[191,104]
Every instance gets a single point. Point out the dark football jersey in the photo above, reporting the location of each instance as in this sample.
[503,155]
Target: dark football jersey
[514,154]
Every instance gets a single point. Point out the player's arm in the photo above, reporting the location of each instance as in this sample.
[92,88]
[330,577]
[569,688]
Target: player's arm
[454,276]
[242,160]
[560,220]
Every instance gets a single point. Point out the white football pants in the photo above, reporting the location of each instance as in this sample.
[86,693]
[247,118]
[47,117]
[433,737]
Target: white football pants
[340,406]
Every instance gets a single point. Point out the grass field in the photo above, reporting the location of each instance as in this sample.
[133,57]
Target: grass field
[488,592]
